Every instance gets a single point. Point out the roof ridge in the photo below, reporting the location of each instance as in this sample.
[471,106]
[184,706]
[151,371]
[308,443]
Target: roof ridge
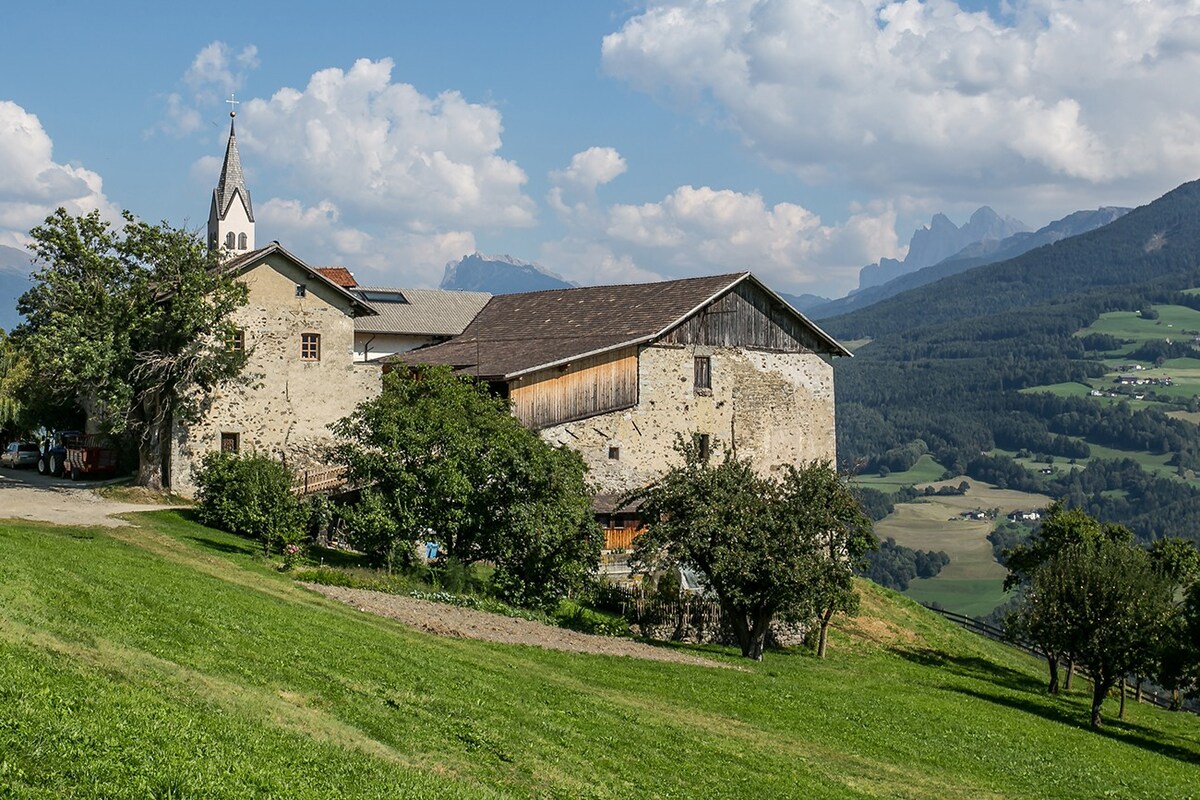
[728,275]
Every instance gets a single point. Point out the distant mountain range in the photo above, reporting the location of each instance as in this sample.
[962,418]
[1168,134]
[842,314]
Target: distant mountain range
[499,275]
[975,254]
[14,282]
[939,241]
[805,302]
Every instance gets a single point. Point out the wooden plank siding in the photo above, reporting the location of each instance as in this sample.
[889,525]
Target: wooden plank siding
[589,386]
[621,538]
[746,316]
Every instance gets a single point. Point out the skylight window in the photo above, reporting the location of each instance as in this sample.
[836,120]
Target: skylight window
[390,296]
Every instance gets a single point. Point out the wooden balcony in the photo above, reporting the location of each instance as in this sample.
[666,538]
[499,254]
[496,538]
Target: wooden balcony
[620,538]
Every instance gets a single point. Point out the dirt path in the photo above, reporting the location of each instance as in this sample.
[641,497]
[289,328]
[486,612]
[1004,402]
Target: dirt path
[26,495]
[468,623]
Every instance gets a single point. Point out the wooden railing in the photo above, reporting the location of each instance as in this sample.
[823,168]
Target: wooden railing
[326,479]
[1151,695]
[620,538]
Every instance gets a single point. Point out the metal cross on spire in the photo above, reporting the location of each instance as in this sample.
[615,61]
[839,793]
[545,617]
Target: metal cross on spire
[232,103]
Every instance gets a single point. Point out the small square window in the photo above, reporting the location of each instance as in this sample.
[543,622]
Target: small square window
[230,442]
[703,372]
[310,346]
[237,341]
[301,290]
[614,453]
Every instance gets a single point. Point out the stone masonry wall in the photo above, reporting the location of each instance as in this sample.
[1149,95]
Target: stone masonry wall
[774,408]
[287,407]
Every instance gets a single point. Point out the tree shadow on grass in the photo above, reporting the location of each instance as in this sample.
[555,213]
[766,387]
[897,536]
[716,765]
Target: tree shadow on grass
[1142,736]
[233,548]
[970,667]
[341,559]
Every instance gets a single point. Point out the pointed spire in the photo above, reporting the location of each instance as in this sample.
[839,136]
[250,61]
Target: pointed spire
[232,180]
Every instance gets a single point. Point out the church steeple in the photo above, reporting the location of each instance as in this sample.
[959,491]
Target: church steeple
[231,215]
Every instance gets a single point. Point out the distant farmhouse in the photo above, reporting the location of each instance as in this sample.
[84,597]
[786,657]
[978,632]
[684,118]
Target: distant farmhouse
[614,372]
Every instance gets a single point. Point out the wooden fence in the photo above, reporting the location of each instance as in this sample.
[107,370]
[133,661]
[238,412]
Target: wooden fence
[688,619]
[1152,695]
[315,481]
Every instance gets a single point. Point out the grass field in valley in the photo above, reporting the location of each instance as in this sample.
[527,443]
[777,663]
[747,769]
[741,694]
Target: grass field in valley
[972,583]
[1172,323]
[926,470]
[165,661]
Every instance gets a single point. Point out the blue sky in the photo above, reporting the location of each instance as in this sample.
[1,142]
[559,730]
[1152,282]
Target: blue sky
[607,141]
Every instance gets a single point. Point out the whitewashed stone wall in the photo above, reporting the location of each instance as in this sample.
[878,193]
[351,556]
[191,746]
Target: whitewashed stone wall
[374,346]
[287,407]
[774,408]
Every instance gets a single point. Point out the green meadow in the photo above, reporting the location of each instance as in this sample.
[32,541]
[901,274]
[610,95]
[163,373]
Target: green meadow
[168,661]
[1172,322]
[972,583]
[926,470]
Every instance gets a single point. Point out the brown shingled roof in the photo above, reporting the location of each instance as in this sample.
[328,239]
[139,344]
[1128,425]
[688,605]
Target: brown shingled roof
[518,333]
[339,275]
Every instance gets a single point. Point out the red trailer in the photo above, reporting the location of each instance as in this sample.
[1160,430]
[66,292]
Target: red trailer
[88,455]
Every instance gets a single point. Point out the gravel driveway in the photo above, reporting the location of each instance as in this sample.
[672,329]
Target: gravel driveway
[469,623]
[24,494]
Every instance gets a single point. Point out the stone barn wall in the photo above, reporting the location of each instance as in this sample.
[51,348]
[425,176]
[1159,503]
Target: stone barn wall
[774,408]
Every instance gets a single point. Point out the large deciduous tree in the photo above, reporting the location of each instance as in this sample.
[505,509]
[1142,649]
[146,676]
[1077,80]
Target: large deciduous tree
[129,325]
[1175,662]
[437,456]
[1105,604]
[818,507]
[766,548]
[14,370]
[1061,528]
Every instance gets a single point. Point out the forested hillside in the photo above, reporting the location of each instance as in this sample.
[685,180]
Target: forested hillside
[1158,243]
[947,363]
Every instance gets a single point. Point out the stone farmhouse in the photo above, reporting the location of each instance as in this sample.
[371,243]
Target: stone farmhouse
[615,372]
[308,334]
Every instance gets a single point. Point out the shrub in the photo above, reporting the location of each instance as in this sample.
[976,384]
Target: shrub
[249,495]
[452,575]
[570,614]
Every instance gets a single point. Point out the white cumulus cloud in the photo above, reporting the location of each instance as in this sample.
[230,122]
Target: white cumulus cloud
[573,190]
[1051,102]
[697,230]
[33,184]
[217,68]
[389,180]
[382,151]
[392,256]
[215,75]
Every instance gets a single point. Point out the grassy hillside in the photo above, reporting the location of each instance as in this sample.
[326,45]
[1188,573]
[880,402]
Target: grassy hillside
[165,661]
[973,582]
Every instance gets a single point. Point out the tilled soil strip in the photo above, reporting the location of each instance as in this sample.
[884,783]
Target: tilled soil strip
[469,623]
